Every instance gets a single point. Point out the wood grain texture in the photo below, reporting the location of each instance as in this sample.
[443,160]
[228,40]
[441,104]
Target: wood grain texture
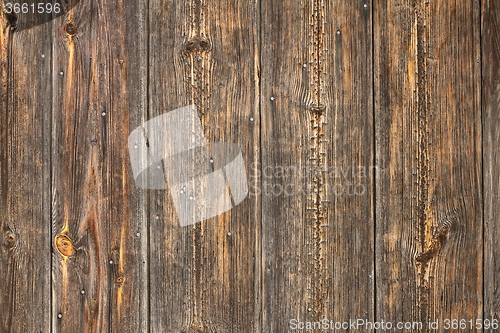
[317,153]
[490,42]
[25,78]
[205,277]
[369,131]
[99,221]
[429,198]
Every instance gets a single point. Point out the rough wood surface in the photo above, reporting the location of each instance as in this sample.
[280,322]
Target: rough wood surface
[490,42]
[317,119]
[25,82]
[369,131]
[100,272]
[429,201]
[205,277]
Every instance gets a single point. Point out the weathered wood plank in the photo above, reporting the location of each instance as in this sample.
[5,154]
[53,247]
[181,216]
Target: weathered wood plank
[99,222]
[25,104]
[491,155]
[205,276]
[429,205]
[317,115]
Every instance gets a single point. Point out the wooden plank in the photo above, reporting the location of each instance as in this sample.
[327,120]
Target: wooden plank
[317,125]
[25,104]
[99,223]
[491,155]
[429,209]
[205,276]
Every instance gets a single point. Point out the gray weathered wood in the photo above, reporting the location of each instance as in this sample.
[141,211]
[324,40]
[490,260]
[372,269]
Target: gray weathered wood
[429,210]
[99,222]
[205,277]
[25,81]
[369,131]
[491,155]
[317,115]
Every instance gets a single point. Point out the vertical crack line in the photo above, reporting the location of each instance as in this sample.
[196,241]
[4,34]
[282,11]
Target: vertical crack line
[197,59]
[318,53]
[374,172]
[420,12]
[52,175]
[197,56]
[317,160]
[51,186]
[259,198]
[482,121]
[147,198]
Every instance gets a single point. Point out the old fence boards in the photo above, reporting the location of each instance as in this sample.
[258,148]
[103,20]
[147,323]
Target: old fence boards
[317,124]
[490,102]
[369,131]
[99,223]
[205,277]
[429,209]
[26,82]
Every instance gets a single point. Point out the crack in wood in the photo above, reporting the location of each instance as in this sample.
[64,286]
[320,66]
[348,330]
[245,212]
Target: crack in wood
[317,161]
[419,47]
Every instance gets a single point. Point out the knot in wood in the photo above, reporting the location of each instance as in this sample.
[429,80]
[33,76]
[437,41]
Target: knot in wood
[318,110]
[197,45]
[10,240]
[64,245]
[71,29]
[11,18]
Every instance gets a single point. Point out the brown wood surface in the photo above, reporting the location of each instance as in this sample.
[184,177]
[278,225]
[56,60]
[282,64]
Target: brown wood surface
[205,277]
[25,255]
[369,131]
[99,223]
[317,115]
[429,203]
[490,42]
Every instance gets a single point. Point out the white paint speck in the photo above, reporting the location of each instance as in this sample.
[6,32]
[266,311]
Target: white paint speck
[229,234]
[59,316]
[190,197]
[272,98]
[82,292]
[111,262]
[251,119]
[304,65]
[103,113]
[338,32]
[61,73]
[365,5]
[211,160]
[135,146]
[43,55]
[138,234]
